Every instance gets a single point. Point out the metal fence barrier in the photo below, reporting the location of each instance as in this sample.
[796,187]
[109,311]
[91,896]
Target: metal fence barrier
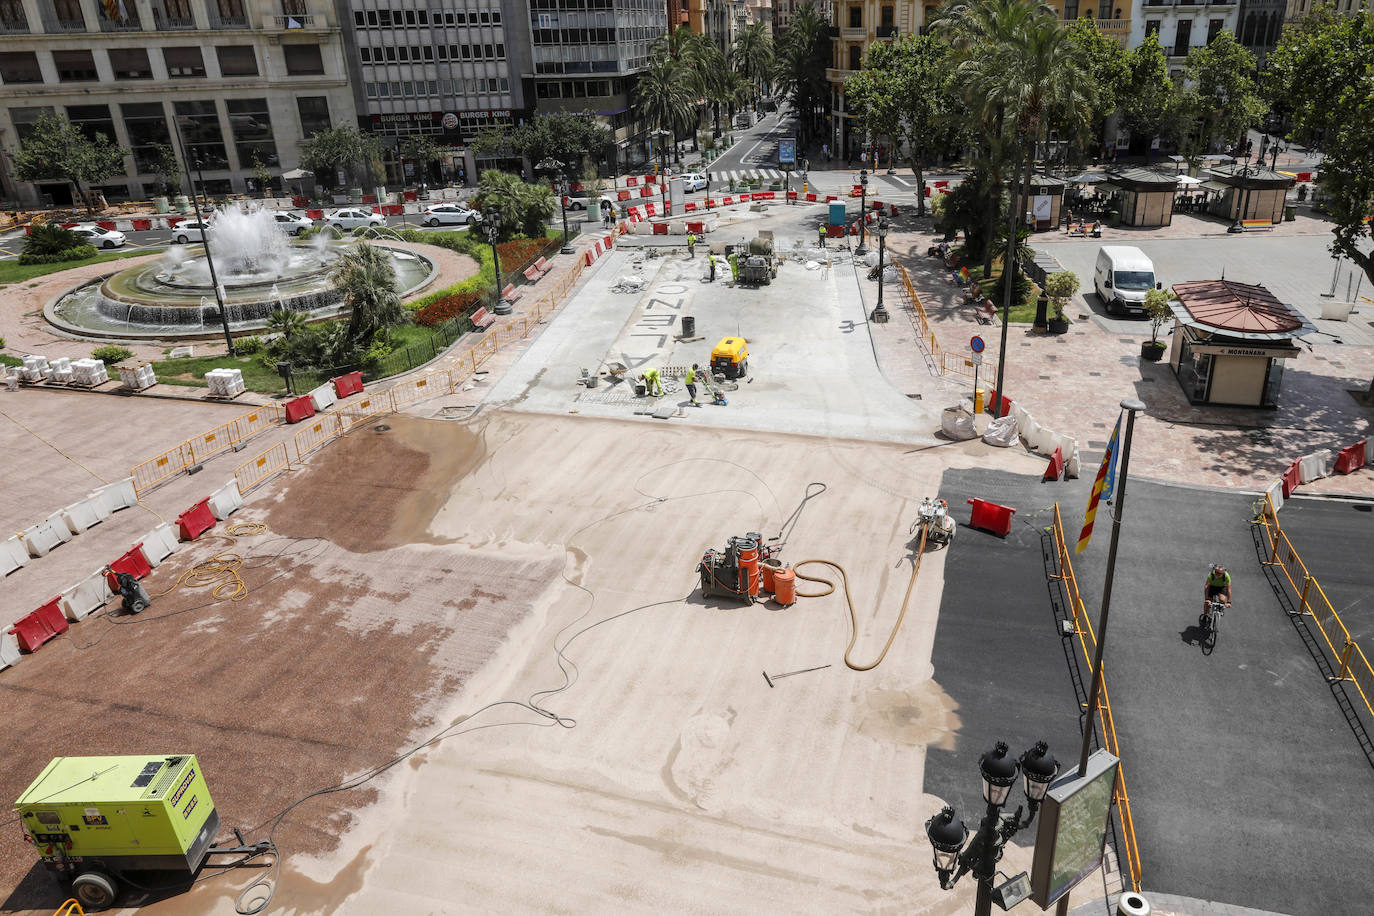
[195,450]
[945,361]
[255,470]
[315,433]
[1087,640]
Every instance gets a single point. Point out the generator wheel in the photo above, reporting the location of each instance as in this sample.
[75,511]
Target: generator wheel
[138,604]
[94,890]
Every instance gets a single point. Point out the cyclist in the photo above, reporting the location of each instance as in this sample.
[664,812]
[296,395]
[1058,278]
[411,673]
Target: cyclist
[1217,585]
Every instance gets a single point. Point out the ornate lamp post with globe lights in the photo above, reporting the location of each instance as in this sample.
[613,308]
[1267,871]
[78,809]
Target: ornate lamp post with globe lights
[561,187]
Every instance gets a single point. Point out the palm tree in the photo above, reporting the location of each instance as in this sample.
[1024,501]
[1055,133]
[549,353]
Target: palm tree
[666,93]
[803,53]
[286,322]
[367,280]
[752,56]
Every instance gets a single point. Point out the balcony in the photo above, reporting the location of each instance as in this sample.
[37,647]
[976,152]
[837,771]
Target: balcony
[218,21]
[859,33]
[836,75]
[303,21]
[1114,27]
[165,23]
[54,24]
[886,31]
[14,21]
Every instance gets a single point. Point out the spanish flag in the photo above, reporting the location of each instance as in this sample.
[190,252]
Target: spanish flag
[1102,486]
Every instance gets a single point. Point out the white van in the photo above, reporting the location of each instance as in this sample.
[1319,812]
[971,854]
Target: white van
[1123,276]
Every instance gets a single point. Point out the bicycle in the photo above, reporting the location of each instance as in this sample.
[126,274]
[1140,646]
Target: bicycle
[1210,622]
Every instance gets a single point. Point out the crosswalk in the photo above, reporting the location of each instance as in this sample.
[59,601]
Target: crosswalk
[741,174]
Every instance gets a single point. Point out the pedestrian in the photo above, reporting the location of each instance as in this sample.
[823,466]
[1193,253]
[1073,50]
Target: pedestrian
[711,261]
[653,383]
[863,159]
[692,383]
[825,151]
[691,245]
[822,234]
[806,166]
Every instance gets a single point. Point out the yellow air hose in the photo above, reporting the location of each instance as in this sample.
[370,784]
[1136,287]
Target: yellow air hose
[221,571]
[853,618]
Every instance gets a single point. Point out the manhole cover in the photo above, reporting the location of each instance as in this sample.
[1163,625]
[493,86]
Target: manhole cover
[381,427]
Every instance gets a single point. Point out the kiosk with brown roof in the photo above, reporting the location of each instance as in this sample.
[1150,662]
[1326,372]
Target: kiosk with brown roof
[1230,341]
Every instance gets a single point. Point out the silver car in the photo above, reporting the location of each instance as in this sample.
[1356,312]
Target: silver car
[189,231]
[100,238]
[353,218]
[293,223]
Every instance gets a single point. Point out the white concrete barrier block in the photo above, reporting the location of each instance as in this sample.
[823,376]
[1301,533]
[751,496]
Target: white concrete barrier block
[82,515]
[226,500]
[1315,465]
[81,599]
[323,396]
[13,554]
[1275,492]
[9,650]
[59,527]
[159,544]
[40,539]
[117,495]
[1072,465]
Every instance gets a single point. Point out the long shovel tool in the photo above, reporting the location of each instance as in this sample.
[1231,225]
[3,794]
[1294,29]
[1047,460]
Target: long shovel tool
[778,677]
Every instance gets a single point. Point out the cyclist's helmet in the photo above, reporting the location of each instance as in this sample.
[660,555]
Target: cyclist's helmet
[1217,568]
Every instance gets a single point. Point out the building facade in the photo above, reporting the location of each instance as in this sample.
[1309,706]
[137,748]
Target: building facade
[1259,23]
[854,26]
[1181,26]
[586,54]
[448,69]
[245,80]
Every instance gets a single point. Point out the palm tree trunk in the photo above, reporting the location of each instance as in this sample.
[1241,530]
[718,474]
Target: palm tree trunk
[1008,283]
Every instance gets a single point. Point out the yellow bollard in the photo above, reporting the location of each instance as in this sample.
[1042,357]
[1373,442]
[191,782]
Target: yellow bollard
[978,396]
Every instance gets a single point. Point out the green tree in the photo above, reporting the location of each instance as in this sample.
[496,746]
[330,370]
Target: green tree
[421,149]
[524,208]
[565,136]
[904,92]
[286,322]
[802,55]
[346,148]
[163,163]
[665,95]
[1108,69]
[1322,68]
[752,56]
[57,148]
[367,279]
[1220,100]
[1150,95]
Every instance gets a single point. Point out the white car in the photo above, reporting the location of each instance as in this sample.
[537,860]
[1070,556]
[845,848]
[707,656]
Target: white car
[353,218]
[693,182]
[293,223]
[100,238]
[450,214]
[189,231]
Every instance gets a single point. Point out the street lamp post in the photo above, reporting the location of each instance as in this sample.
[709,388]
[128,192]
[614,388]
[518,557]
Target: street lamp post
[947,834]
[561,186]
[1244,194]
[879,313]
[1274,151]
[491,225]
[205,235]
[863,209]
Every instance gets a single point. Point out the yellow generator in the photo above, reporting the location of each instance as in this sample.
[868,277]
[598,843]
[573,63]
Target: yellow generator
[730,358]
[94,818]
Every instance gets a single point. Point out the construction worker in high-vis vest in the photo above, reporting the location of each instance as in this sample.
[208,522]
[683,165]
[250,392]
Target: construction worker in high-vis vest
[692,383]
[691,244]
[822,234]
[653,383]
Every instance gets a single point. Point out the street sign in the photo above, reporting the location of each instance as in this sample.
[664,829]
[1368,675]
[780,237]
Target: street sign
[787,151]
[976,344]
[976,358]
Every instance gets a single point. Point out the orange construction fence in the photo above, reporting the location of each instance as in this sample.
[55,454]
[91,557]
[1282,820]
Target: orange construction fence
[946,361]
[195,450]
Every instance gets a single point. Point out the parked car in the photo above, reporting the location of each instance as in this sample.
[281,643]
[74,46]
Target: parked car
[693,182]
[189,231]
[450,215]
[353,218]
[100,238]
[581,201]
[293,223]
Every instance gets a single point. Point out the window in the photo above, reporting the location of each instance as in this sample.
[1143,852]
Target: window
[1185,32]
[359,18]
[428,52]
[200,127]
[130,64]
[495,17]
[365,54]
[371,90]
[1152,28]
[856,17]
[183,63]
[146,125]
[314,111]
[251,126]
[887,17]
[94,120]
[505,84]
[74,66]
[856,55]
[403,54]
[228,12]
[442,51]
[486,17]
[236,60]
[383,90]
[500,51]
[488,52]
[20,67]
[303,60]
[433,87]
[1070,11]
[12,16]
[1213,28]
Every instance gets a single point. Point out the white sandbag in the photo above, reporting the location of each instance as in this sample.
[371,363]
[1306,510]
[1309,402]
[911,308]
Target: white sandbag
[117,495]
[957,424]
[159,544]
[1315,465]
[9,650]
[226,500]
[81,599]
[13,554]
[1001,432]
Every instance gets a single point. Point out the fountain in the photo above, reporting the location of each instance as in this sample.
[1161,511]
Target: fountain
[259,269]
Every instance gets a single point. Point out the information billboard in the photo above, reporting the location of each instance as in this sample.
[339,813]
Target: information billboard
[1072,836]
[787,151]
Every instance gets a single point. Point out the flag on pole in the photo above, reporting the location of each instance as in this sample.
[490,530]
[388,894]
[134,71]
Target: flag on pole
[1102,487]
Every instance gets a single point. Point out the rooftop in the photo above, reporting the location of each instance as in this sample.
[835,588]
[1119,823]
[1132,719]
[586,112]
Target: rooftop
[1236,308]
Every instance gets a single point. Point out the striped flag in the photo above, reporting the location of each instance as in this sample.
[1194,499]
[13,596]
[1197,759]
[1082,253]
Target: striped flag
[1102,488]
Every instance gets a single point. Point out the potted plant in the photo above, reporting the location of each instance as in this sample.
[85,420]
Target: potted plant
[1060,287]
[1157,308]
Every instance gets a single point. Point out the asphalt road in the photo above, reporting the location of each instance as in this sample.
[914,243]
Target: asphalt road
[1248,782]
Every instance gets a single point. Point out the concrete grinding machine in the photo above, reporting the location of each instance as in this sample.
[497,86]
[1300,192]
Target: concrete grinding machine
[94,819]
[734,571]
[934,521]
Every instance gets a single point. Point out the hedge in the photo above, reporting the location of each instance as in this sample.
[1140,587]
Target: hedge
[79,253]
